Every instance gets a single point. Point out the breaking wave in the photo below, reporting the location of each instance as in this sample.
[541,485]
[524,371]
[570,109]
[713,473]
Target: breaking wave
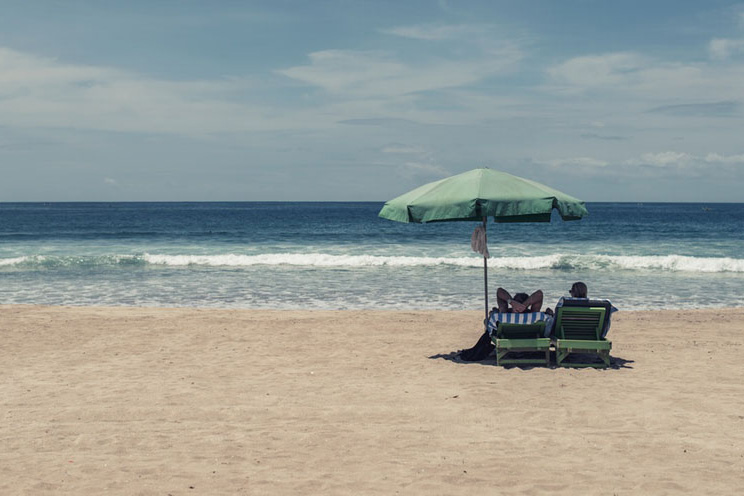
[666,263]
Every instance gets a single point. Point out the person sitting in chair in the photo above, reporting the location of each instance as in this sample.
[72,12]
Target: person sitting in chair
[520,303]
[578,290]
[580,296]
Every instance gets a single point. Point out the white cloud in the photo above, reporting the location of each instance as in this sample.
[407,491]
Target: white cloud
[716,158]
[672,164]
[374,74]
[624,80]
[41,92]
[347,70]
[667,164]
[723,48]
[44,92]
[577,161]
[684,160]
[403,149]
[20,68]
[663,159]
[431,169]
[412,160]
[464,55]
[437,32]
[598,70]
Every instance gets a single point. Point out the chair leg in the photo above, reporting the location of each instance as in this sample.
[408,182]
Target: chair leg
[559,357]
[605,356]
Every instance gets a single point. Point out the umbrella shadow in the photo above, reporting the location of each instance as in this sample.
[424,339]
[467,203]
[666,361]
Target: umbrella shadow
[616,363]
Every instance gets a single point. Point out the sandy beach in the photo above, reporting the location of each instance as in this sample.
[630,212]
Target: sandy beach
[187,401]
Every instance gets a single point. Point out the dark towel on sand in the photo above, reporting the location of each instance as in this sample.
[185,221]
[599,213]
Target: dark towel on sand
[480,351]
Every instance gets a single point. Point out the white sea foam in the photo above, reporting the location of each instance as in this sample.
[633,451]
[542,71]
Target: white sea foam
[308,260]
[673,263]
[9,262]
[666,263]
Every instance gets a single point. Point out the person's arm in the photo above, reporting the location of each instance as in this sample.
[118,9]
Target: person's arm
[502,300]
[534,302]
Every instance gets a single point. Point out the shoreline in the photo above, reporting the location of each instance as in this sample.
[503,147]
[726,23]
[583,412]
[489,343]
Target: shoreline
[130,400]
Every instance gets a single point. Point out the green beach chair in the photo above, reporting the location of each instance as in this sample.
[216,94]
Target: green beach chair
[521,338]
[578,331]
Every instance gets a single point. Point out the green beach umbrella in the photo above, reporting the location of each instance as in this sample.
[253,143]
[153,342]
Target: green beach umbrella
[478,194]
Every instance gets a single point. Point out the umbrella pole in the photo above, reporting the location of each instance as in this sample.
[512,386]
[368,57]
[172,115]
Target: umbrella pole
[485,273]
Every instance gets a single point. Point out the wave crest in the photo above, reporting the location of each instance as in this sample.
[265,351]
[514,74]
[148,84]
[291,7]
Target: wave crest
[664,263]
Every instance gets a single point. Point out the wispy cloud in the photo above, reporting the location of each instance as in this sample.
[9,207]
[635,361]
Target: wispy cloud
[425,168]
[577,161]
[712,109]
[639,79]
[378,121]
[376,74]
[663,159]
[598,70]
[454,56]
[437,32]
[677,159]
[667,164]
[603,137]
[413,161]
[724,48]
[717,158]
[45,92]
[402,148]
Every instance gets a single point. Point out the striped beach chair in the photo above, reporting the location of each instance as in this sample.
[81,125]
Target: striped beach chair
[521,338]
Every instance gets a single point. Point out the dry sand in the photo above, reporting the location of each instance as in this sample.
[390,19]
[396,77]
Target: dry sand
[184,401]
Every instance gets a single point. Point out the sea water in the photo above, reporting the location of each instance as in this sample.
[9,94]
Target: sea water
[343,256]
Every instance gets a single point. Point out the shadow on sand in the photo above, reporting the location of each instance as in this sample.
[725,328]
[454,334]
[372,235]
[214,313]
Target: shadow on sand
[616,363]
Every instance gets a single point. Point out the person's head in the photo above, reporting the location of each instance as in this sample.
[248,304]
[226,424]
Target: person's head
[578,290]
[520,297]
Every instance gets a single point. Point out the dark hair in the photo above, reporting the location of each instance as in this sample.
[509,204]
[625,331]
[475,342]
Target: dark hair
[520,297]
[579,290]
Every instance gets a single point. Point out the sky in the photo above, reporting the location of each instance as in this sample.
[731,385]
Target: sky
[356,100]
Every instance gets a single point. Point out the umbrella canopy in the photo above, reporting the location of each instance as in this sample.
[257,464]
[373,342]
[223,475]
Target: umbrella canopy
[478,194]
[481,193]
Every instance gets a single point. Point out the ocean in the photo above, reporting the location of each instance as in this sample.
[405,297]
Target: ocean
[342,256]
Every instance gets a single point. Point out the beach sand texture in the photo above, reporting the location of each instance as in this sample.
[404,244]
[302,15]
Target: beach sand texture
[188,401]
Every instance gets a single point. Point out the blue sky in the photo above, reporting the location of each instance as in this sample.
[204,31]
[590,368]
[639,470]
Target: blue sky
[363,100]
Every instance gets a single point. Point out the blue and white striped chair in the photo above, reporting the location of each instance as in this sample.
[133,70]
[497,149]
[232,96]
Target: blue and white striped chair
[524,333]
